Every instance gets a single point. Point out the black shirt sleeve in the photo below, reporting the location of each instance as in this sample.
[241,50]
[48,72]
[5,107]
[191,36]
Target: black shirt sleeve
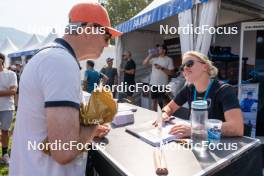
[228,98]
[130,65]
[182,96]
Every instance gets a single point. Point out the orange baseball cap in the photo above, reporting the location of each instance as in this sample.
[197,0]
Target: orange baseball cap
[92,12]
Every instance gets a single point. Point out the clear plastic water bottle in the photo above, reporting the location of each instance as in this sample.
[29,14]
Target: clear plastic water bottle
[199,117]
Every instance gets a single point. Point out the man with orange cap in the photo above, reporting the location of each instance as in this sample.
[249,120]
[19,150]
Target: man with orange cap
[49,98]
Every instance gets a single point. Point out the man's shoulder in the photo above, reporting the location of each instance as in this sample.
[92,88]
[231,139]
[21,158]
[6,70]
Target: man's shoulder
[54,53]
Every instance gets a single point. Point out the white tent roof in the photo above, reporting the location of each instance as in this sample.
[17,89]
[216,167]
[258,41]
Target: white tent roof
[31,44]
[49,39]
[154,4]
[7,46]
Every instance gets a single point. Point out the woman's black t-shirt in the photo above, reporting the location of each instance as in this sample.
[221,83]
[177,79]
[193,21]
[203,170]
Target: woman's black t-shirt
[221,98]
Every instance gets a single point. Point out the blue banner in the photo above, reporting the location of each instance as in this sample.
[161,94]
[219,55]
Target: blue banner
[162,12]
[22,53]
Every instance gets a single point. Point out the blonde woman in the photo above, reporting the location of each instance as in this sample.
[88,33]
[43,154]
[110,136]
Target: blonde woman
[222,100]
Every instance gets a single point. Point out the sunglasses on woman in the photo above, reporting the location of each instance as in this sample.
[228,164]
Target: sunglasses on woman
[189,64]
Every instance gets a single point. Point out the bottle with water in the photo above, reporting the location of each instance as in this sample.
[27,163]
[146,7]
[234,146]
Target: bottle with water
[199,117]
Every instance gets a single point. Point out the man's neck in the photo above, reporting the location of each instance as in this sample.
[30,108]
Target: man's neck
[77,50]
[202,84]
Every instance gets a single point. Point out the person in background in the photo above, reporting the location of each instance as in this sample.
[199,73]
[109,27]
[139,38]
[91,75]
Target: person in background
[12,68]
[111,73]
[92,77]
[129,74]
[223,104]
[162,68]
[121,69]
[8,88]
[19,69]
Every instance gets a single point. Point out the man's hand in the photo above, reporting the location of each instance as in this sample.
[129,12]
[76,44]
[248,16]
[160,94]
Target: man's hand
[102,130]
[181,130]
[158,66]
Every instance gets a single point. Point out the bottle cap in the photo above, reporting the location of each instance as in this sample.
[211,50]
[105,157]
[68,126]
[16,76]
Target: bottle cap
[199,104]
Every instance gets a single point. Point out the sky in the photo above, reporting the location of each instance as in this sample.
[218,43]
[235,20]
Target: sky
[36,16]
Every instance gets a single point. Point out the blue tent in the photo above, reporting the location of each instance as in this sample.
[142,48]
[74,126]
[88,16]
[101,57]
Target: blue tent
[22,53]
[155,12]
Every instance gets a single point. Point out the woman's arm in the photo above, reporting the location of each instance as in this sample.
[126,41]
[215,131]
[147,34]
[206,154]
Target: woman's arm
[169,109]
[233,126]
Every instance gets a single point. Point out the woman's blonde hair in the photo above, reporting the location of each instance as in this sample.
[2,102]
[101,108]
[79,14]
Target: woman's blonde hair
[212,70]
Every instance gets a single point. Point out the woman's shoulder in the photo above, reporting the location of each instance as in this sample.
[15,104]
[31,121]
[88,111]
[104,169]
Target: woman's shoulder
[223,87]
[188,87]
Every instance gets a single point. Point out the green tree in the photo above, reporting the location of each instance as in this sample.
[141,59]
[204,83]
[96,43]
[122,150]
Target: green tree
[122,10]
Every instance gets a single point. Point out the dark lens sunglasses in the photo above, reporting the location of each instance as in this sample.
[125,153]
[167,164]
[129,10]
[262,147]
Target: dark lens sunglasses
[107,35]
[189,64]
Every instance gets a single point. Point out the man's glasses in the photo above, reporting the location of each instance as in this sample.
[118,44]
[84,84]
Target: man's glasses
[107,35]
[189,64]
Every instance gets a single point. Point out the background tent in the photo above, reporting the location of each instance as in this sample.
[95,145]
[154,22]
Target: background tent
[32,46]
[7,47]
[48,40]
[28,49]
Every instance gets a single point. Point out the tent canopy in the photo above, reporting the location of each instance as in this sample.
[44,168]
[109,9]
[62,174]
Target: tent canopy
[7,46]
[155,12]
[28,49]
[33,41]
[231,11]
[33,45]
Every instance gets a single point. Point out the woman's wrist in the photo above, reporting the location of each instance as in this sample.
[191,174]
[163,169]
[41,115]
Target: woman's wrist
[166,111]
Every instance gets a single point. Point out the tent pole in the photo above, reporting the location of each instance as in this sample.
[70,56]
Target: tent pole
[240,60]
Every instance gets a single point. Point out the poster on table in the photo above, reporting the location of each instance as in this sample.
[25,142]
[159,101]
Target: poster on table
[249,105]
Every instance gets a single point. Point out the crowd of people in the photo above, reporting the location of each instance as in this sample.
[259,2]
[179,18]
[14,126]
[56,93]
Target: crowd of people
[50,89]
